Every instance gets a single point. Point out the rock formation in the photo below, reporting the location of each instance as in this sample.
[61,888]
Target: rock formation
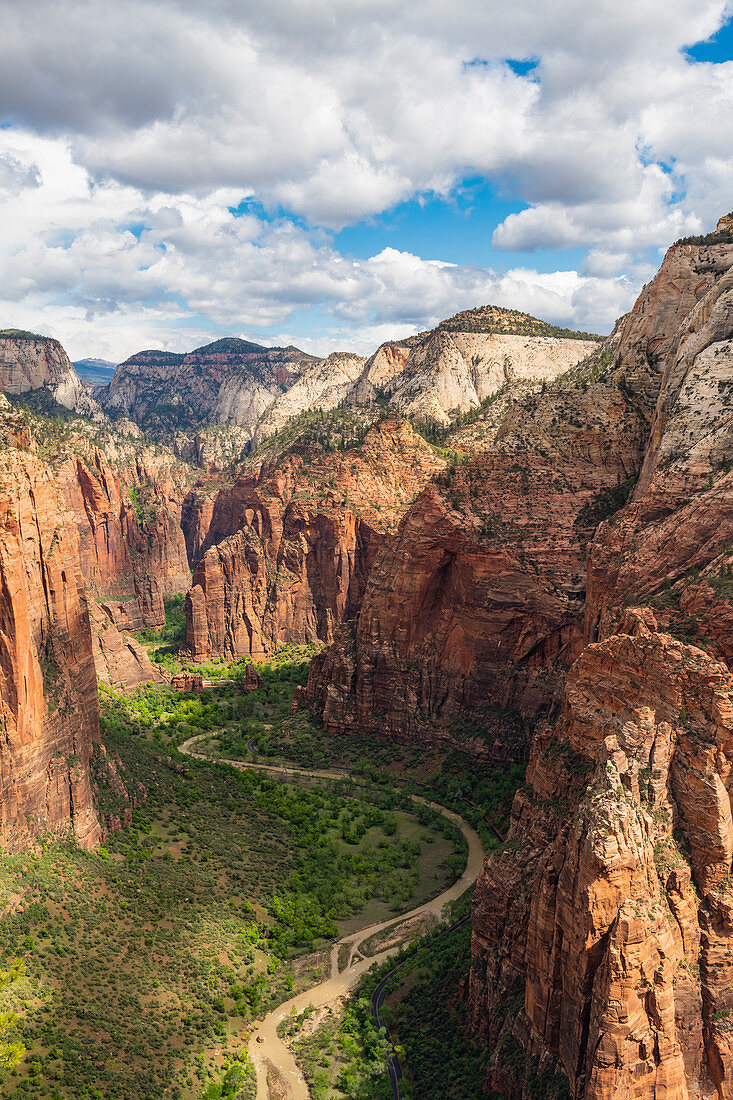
[321,387]
[229,381]
[602,930]
[673,544]
[129,517]
[467,358]
[607,919]
[119,660]
[48,691]
[32,362]
[290,545]
[481,597]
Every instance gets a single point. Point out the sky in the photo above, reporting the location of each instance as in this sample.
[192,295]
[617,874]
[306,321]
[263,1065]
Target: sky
[335,173]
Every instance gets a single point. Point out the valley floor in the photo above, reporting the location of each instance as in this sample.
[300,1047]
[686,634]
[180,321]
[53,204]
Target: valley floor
[148,963]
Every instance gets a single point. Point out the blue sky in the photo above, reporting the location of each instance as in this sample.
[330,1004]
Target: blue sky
[335,173]
[716,49]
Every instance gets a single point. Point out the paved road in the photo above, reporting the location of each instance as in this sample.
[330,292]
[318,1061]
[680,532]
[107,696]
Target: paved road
[271,1048]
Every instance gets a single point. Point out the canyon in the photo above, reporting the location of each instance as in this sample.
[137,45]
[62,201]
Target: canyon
[504,540]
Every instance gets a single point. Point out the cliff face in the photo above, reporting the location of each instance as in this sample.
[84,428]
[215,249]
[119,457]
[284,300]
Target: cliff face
[119,660]
[289,576]
[229,381]
[481,597]
[48,691]
[290,545]
[607,917]
[29,362]
[454,371]
[133,549]
[466,359]
[603,931]
[323,386]
[478,601]
[672,543]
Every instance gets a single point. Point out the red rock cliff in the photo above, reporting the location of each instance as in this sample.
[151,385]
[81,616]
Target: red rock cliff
[603,932]
[48,691]
[128,510]
[478,600]
[290,545]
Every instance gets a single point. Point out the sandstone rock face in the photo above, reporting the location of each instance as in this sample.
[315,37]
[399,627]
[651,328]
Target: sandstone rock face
[650,329]
[252,594]
[29,362]
[388,361]
[673,543]
[229,381]
[48,689]
[290,546]
[602,933]
[132,557]
[119,660]
[15,431]
[607,918]
[453,371]
[466,359]
[478,601]
[490,568]
[322,386]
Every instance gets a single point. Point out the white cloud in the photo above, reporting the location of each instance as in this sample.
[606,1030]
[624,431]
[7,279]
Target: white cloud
[162,114]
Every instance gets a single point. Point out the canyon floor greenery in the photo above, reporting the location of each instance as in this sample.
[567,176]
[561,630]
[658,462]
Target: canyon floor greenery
[145,962]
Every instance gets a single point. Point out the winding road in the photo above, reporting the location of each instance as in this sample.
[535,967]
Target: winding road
[265,1045]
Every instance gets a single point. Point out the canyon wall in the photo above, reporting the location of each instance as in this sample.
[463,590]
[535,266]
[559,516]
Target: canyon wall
[603,932]
[673,544]
[31,362]
[480,600]
[228,382]
[128,502]
[290,545]
[48,691]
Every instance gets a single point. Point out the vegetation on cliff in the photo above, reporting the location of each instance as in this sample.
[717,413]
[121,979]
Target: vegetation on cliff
[510,322]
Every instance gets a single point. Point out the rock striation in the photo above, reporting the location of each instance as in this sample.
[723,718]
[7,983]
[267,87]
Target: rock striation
[31,362]
[602,931]
[290,545]
[48,694]
[230,381]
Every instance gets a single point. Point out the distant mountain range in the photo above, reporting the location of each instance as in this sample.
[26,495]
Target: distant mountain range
[95,370]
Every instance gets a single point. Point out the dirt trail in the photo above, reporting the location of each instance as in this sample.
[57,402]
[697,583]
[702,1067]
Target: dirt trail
[270,1048]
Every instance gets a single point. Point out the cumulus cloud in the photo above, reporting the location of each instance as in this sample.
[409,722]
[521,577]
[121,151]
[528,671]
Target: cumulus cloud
[131,130]
[16,176]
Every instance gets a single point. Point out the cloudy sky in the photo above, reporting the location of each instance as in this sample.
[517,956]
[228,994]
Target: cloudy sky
[334,172]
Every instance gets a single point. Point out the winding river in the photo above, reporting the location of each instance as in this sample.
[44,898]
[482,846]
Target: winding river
[265,1046]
